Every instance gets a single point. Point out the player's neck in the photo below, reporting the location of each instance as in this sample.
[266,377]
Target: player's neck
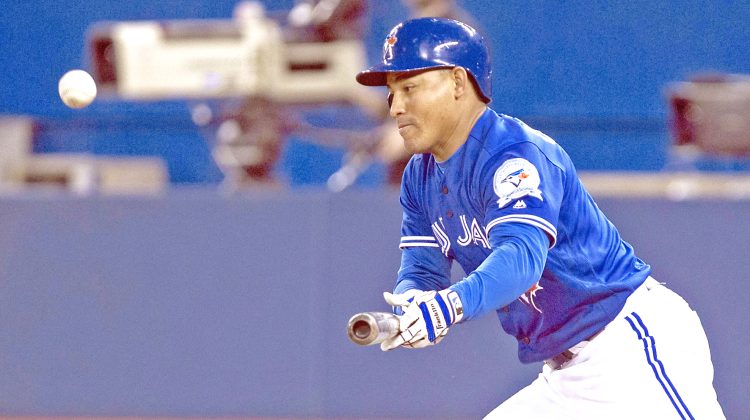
[460,133]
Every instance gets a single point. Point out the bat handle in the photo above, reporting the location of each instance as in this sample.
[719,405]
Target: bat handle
[367,328]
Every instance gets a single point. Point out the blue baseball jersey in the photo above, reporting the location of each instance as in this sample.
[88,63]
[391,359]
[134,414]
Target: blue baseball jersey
[509,207]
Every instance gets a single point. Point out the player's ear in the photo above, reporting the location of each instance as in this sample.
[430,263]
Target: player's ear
[461,81]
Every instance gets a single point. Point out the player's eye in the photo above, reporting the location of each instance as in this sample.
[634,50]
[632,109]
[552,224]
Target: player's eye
[390,99]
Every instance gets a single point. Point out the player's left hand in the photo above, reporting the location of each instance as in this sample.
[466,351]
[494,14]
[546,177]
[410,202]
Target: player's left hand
[425,320]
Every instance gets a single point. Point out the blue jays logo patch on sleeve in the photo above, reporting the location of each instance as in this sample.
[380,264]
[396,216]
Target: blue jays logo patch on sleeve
[514,179]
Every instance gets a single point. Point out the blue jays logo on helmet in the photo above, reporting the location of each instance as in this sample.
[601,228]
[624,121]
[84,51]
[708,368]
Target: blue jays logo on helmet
[431,43]
[388,47]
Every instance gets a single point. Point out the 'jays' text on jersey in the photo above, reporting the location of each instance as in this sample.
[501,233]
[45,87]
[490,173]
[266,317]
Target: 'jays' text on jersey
[509,181]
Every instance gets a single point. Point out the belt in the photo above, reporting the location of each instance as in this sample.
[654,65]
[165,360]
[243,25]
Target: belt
[557,361]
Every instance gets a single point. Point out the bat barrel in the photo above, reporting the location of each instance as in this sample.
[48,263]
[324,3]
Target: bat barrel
[369,328]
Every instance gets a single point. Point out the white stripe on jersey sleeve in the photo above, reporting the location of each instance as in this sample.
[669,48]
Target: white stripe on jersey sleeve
[529,219]
[410,241]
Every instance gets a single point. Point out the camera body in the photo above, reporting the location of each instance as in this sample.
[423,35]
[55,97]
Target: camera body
[205,59]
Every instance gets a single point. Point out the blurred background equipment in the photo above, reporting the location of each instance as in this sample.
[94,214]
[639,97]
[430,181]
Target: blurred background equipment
[710,117]
[258,70]
[78,173]
[17,133]
[247,56]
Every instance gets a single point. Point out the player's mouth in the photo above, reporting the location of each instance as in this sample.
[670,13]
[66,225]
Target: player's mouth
[404,127]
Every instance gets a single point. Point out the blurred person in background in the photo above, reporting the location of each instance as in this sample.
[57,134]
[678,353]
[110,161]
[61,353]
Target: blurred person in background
[327,20]
[439,8]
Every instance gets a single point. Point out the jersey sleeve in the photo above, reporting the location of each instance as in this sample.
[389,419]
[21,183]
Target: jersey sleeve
[521,194]
[522,186]
[423,264]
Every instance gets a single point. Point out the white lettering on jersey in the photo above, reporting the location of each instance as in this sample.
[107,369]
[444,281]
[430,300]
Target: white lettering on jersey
[441,236]
[474,234]
[516,178]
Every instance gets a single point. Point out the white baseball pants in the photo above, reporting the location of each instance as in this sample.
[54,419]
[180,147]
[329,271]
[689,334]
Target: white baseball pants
[651,362]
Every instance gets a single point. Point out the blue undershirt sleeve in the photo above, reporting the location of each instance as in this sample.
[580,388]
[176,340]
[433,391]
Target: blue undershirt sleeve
[519,253]
[423,269]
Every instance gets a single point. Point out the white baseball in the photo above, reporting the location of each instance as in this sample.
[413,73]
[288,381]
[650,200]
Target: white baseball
[77,89]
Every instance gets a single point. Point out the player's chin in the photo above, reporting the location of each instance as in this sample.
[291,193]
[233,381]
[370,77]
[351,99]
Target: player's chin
[412,145]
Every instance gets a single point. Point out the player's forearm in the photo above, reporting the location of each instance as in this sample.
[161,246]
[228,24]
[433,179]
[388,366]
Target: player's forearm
[512,267]
[407,284]
[422,269]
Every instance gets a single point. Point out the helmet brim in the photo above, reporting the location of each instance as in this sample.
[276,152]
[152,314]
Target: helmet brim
[378,75]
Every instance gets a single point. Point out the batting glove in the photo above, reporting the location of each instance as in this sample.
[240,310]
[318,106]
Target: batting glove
[402,300]
[426,318]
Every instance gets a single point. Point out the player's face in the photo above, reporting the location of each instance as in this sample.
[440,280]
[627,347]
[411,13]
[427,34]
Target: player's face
[423,106]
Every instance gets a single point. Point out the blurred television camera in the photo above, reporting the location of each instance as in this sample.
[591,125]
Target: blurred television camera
[254,65]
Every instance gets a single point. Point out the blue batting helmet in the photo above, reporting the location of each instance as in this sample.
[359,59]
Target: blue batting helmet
[431,43]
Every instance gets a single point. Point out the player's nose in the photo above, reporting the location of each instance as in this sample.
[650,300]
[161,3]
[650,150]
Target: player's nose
[396,104]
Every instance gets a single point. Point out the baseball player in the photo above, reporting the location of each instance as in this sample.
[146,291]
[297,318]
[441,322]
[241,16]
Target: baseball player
[504,201]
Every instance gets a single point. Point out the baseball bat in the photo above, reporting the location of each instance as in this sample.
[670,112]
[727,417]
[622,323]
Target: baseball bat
[367,328]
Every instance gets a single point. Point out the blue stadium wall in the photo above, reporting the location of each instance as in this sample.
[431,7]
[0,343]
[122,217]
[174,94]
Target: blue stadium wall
[591,74]
[199,305]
